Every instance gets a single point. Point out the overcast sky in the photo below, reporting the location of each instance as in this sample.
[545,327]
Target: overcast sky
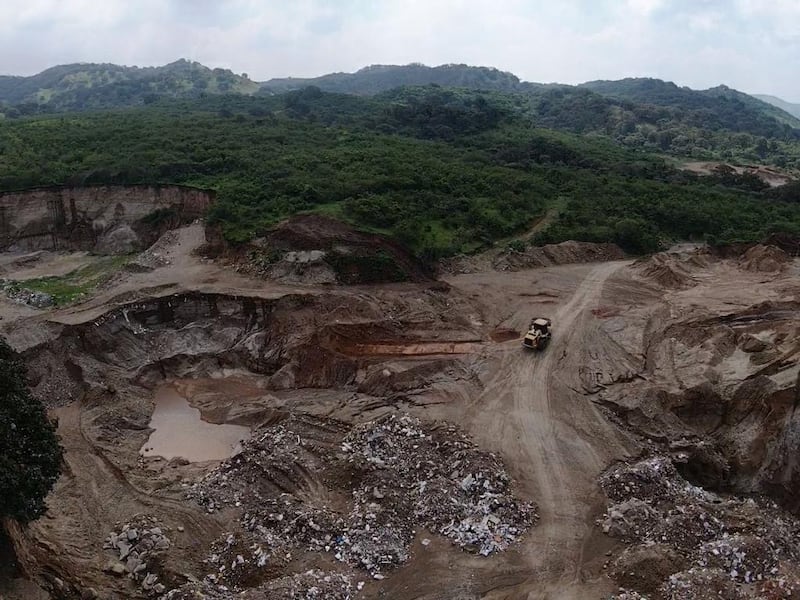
[751,45]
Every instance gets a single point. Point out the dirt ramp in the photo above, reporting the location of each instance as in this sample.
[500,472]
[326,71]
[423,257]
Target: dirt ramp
[764,259]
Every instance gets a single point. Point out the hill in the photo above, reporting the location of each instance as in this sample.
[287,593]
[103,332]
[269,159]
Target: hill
[665,93]
[92,86]
[789,107]
[719,123]
[380,78]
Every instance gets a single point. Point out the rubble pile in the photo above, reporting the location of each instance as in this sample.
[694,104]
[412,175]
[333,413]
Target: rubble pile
[156,255]
[454,488]
[311,585]
[624,594]
[394,474]
[732,547]
[22,295]
[134,545]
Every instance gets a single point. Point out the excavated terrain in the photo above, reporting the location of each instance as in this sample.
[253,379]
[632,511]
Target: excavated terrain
[249,434]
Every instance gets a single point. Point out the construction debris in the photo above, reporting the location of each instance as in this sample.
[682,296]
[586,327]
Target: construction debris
[401,475]
[311,585]
[735,548]
[134,545]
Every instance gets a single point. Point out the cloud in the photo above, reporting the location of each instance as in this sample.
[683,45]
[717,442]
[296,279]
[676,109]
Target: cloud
[748,44]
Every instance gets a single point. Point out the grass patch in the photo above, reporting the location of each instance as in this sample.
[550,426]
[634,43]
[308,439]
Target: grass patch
[78,283]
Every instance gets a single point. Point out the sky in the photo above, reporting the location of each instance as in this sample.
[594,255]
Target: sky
[750,45]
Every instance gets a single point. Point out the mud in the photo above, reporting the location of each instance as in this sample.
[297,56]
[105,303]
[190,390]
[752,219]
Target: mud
[700,373]
[180,432]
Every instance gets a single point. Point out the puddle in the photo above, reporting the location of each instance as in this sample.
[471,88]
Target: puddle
[181,432]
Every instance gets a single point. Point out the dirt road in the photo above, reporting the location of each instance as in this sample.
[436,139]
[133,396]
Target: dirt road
[559,444]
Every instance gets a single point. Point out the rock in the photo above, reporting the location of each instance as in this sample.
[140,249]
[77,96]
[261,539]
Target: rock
[124,549]
[132,534]
[751,343]
[180,528]
[162,544]
[132,564]
[115,568]
[149,581]
[89,594]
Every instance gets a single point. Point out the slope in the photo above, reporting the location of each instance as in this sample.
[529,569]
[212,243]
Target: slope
[792,108]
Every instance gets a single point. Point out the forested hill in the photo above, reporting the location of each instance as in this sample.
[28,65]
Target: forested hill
[443,170]
[643,90]
[91,86]
[673,118]
[380,78]
[792,108]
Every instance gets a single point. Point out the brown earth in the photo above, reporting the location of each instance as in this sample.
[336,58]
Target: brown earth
[769,175]
[105,219]
[704,371]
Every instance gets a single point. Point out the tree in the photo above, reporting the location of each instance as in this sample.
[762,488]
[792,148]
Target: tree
[30,456]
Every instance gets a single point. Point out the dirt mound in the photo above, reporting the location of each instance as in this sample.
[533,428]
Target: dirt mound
[764,259]
[557,254]
[667,269]
[313,249]
[532,257]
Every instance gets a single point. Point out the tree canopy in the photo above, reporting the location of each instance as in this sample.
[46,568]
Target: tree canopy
[30,456]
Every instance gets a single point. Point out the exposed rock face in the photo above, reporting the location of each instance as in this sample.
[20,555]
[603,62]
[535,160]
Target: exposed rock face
[108,219]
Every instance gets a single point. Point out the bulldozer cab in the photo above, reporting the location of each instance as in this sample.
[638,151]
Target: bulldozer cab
[540,325]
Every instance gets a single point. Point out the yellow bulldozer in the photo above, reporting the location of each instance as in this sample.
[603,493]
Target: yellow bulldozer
[539,334]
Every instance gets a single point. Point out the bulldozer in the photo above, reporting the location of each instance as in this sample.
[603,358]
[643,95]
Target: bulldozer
[539,334]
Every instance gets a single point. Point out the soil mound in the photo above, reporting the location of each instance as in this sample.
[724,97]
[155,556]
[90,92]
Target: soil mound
[314,249]
[666,269]
[556,254]
[764,259]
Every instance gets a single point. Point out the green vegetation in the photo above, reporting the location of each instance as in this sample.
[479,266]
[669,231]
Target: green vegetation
[443,170]
[92,86]
[30,456]
[78,283]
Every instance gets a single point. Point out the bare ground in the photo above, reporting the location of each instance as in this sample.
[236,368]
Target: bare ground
[629,346]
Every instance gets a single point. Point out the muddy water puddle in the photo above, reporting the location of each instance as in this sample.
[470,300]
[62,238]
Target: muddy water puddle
[181,432]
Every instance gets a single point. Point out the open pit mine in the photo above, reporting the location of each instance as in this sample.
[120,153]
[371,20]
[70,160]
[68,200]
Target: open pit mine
[319,415]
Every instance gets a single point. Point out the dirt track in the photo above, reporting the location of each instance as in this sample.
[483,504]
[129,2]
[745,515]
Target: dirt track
[356,353]
[553,436]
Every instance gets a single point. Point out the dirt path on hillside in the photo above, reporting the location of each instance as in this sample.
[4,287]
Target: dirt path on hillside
[559,442]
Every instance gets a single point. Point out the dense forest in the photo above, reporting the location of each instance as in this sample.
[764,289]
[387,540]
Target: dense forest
[643,114]
[445,170]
